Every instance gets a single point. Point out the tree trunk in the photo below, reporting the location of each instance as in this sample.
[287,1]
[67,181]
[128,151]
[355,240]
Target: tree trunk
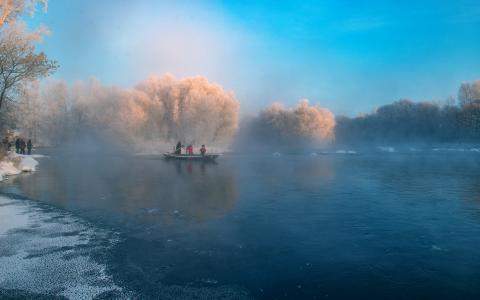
[2,96]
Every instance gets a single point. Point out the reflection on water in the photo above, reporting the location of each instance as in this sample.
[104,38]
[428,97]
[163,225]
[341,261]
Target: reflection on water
[147,189]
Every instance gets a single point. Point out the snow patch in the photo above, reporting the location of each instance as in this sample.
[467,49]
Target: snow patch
[28,164]
[8,168]
[14,164]
[39,156]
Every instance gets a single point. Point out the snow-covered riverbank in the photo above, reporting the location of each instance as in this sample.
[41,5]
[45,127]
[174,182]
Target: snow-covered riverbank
[48,251]
[14,164]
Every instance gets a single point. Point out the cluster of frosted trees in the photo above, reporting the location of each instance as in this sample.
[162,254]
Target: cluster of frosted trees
[405,121]
[163,110]
[160,111]
[157,111]
[280,127]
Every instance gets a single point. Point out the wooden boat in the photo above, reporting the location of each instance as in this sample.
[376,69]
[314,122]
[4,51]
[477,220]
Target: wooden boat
[206,157]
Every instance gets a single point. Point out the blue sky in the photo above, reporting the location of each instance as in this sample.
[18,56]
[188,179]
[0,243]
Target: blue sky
[348,56]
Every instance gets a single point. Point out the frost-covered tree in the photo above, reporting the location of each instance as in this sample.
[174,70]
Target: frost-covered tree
[28,113]
[19,62]
[11,9]
[281,127]
[191,110]
[303,122]
[54,105]
[469,92]
[469,99]
[41,113]
[158,111]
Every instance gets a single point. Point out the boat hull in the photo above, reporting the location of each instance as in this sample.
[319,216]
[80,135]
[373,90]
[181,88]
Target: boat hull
[208,157]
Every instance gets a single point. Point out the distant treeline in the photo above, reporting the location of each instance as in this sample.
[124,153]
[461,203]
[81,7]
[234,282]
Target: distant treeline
[405,121]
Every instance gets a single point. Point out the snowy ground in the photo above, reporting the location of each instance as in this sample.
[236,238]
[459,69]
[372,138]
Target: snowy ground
[14,164]
[51,252]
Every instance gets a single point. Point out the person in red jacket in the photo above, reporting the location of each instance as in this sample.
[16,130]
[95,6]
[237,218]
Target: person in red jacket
[190,150]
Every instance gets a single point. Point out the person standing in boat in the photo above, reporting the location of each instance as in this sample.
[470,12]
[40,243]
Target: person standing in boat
[203,150]
[189,150]
[178,148]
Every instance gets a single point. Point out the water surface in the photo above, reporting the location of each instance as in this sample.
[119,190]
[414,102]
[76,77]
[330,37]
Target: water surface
[342,225]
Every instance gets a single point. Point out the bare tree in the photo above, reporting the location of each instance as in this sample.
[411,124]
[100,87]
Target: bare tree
[18,60]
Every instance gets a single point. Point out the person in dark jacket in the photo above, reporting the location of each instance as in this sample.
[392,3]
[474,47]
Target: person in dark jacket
[203,150]
[22,146]
[29,147]
[17,145]
[178,148]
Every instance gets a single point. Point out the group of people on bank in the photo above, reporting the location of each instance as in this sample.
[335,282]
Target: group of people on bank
[188,149]
[20,145]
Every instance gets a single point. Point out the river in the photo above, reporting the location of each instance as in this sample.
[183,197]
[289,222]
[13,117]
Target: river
[373,225]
